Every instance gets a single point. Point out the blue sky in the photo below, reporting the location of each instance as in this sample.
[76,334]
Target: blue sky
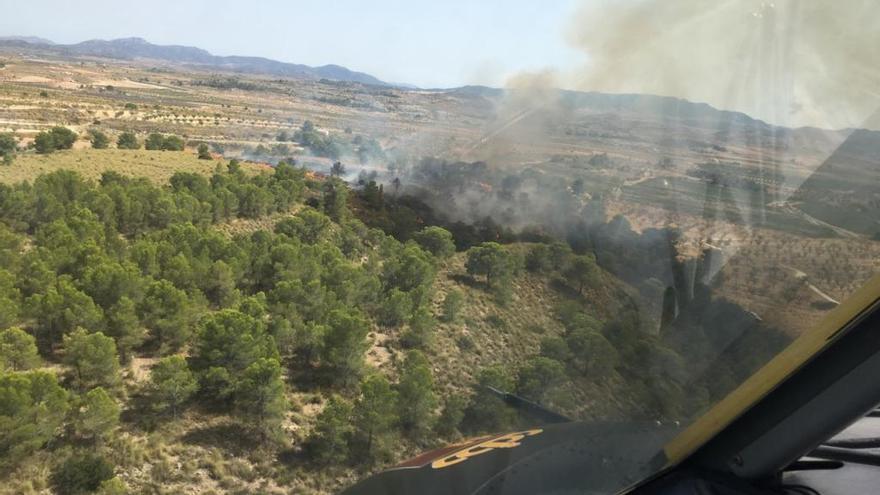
[427,43]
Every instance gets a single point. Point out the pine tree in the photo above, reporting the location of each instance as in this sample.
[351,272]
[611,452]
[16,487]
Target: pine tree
[540,377]
[220,287]
[172,383]
[32,408]
[18,350]
[329,441]
[93,359]
[373,417]
[415,394]
[451,416]
[344,347]
[486,411]
[232,340]
[335,199]
[61,309]
[437,241]
[260,398]
[168,313]
[97,414]
[582,272]
[492,260]
[125,327]
[421,330]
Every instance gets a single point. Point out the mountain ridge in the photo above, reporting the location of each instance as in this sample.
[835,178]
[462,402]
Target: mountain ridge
[28,39]
[134,48]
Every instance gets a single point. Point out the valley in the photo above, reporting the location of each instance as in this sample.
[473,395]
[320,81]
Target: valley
[325,278]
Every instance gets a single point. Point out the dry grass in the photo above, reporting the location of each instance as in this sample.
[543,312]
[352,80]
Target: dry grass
[455,366]
[158,166]
[487,333]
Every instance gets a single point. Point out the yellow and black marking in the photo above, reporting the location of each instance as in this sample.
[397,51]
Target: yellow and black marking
[507,441]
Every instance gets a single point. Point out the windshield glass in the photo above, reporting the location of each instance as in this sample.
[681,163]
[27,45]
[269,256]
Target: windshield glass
[222,272]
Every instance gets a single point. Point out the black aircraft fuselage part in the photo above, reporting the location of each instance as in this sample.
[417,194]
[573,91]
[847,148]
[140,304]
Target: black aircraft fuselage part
[559,458]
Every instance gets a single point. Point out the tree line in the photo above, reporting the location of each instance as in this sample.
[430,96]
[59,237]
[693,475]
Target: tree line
[61,138]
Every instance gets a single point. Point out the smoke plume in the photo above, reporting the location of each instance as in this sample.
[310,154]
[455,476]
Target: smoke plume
[789,62]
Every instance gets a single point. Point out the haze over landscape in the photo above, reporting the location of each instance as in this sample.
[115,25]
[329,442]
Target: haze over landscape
[587,45]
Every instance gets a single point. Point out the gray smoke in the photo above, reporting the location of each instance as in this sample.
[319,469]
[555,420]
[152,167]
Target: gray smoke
[789,62]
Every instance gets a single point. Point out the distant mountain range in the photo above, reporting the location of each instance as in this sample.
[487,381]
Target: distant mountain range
[699,114]
[28,39]
[138,48]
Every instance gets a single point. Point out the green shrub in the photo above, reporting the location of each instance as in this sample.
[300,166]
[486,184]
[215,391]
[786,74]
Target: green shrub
[99,140]
[8,146]
[128,141]
[44,143]
[204,153]
[113,486]
[465,342]
[452,305]
[57,138]
[496,321]
[82,473]
[156,141]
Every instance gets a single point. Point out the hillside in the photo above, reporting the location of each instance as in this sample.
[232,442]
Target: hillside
[199,281]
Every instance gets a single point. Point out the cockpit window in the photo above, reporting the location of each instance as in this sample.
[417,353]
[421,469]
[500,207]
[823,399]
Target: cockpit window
[279,248]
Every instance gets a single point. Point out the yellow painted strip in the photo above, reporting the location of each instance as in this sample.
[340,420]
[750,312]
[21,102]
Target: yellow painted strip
[772,374]
[506,441]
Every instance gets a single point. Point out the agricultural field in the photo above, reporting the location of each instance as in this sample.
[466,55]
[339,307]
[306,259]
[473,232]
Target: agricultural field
[157,166]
